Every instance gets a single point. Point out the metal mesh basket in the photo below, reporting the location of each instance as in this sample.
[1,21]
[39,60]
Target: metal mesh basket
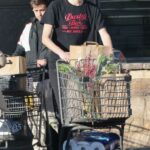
[17,106]
[84,100]
[19,94]
[33,77]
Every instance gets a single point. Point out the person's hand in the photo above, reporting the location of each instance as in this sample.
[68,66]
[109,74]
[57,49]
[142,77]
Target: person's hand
[65,56]
[108,51]
[41,62]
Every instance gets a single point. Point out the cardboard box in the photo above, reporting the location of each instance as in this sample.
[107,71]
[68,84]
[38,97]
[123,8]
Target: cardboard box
[15,65]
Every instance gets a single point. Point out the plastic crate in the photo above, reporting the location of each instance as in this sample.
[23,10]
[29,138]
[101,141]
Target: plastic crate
[13,130]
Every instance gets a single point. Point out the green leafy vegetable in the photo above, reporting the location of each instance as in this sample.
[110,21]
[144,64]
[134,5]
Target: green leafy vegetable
[106,65]
[64,68]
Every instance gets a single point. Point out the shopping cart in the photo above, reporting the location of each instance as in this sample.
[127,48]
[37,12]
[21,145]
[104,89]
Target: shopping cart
[96,103]
[19,102]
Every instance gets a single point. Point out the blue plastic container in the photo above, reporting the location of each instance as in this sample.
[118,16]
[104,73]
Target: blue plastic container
[91,140]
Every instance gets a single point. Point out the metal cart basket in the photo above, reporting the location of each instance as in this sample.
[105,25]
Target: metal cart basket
[100,103]
[18,102]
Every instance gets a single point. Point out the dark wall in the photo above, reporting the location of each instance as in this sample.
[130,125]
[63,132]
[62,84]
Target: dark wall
[128,22]
[14,14]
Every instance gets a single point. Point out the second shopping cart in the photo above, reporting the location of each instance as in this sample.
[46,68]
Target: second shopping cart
[21,109]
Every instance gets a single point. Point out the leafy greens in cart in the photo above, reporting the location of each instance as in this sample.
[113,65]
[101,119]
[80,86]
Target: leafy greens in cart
[106,65]
[91,68]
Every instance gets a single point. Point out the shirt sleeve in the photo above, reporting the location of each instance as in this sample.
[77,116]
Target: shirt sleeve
[100,23]
[19,51]
[50,15]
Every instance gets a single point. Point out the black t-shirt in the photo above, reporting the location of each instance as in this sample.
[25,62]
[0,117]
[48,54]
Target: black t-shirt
[73,25]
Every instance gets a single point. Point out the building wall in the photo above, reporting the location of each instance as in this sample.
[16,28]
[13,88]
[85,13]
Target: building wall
[137,129]
[128,23]
[14,14]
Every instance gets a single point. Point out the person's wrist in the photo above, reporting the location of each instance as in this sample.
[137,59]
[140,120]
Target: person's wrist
[61,52]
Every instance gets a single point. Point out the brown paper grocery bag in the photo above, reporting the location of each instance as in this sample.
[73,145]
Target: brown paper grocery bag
[89,48]
[15,65]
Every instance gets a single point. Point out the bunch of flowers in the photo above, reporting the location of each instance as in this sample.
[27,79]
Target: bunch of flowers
[90,68]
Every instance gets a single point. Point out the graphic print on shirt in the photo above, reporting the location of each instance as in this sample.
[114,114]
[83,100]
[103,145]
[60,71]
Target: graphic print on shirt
[75,23]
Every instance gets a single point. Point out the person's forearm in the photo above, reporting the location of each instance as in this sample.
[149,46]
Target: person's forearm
[56,49]
[52,46]
[106,39]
